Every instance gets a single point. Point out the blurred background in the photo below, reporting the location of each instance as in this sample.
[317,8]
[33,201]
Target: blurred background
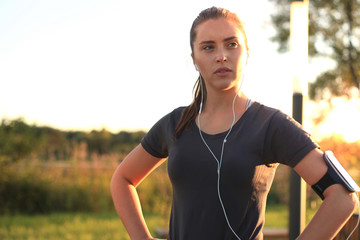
[82,82]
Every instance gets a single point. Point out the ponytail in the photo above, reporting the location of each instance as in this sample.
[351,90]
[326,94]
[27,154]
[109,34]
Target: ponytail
[189,114]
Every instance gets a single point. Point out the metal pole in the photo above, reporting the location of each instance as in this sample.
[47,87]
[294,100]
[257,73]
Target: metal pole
[299,53]
[297,184]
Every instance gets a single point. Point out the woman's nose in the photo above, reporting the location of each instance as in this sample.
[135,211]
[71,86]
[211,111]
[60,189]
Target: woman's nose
[221,56]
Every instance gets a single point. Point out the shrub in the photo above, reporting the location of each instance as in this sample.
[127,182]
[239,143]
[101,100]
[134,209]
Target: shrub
[43,189]
[40,188]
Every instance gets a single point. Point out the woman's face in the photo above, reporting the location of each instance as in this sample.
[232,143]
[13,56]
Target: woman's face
[220,53]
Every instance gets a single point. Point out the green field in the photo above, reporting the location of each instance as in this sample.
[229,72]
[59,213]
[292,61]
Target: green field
[91,226]
[82,226]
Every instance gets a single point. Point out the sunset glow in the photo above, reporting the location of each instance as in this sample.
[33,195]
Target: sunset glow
[343,119]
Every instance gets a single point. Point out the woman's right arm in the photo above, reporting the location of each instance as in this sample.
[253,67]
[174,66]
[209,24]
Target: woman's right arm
[130,172]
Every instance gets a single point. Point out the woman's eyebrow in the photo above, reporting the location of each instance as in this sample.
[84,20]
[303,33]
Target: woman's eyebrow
[230,38]
[212,41]
[206,42]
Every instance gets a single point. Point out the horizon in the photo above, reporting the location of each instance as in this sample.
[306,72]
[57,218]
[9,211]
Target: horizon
[92,65]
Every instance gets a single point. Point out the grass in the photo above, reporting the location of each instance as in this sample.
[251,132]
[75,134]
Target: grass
[79,226]
[278,216]
[91,226]
[62,226]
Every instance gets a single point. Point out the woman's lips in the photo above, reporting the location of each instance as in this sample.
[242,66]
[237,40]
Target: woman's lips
[222,72]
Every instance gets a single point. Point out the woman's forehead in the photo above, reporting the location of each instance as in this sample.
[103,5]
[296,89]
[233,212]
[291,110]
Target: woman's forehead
[217,30]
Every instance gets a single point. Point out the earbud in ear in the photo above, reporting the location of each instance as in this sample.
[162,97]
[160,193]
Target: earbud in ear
[196,67]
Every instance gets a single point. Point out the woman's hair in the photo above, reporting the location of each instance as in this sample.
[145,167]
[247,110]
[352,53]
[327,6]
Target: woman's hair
[189,114]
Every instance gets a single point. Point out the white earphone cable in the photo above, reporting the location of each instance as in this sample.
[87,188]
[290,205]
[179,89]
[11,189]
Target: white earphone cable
[219,162]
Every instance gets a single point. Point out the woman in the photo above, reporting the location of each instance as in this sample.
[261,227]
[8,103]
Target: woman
[223,151]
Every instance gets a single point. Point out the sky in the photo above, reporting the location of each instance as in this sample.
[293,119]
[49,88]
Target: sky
[121,65]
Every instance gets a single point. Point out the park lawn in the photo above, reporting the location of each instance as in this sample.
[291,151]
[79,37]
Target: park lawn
[278,216]
[79,226]
[82,226]
[94,226]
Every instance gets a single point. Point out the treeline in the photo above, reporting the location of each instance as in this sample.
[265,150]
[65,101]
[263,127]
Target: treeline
[71,171]
[19,140]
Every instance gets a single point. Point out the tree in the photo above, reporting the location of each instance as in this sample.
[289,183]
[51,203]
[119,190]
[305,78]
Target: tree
[17,141]
[99,141]
[334,33]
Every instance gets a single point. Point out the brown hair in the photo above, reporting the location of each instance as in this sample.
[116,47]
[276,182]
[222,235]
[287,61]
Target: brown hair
[189,114]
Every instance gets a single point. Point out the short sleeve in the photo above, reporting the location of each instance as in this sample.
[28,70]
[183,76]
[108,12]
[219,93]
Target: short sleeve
[154,142]
[287,142]
[161,136]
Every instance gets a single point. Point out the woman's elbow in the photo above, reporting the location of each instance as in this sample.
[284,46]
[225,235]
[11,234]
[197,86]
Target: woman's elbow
[115,181]
[344,200]
[350,202]
[353,202]
[119,182]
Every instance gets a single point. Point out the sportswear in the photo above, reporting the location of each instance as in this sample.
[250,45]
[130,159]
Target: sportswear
[261,139]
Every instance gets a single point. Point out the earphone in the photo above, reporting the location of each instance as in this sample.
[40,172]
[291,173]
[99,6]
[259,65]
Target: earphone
[219,161]
[196,67]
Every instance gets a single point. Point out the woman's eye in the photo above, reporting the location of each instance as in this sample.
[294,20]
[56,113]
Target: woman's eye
[208,47]
[232,44]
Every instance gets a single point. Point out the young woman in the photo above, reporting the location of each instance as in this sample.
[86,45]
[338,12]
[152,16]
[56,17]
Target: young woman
[223,151]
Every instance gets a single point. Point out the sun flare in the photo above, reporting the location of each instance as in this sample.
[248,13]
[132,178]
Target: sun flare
[343,119]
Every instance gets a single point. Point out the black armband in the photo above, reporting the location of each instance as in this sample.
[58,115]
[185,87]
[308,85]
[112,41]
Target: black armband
[335,174]
[325,182]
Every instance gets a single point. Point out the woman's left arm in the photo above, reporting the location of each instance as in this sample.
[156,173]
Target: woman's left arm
[337,206]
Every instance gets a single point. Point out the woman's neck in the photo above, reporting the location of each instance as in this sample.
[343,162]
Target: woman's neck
[218,116]
[224,101]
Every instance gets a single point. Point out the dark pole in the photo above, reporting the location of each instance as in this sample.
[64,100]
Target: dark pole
[297,185]
[299,52]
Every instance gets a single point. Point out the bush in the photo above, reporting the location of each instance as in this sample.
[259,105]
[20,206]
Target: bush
[39,189]
[155,192]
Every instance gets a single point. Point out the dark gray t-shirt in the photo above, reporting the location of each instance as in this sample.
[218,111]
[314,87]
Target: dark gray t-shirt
[259,140]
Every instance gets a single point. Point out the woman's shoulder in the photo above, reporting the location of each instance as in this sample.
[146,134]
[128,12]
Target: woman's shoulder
[262,114]
[178,110]
[175,114]
[172,117]
[260,109]
[274,117]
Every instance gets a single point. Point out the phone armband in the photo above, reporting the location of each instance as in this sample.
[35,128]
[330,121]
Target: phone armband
[335,174]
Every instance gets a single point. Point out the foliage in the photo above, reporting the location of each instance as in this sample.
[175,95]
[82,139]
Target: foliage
[46,170]
[38,188]
[77,186]
[334,33]
[155,192]
[13,144]
[19,140]
[348,153]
